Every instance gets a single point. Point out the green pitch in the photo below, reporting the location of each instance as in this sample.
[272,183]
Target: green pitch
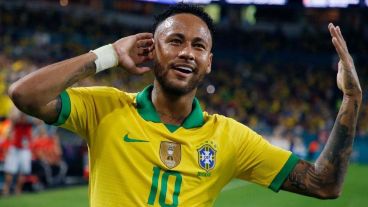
[237,193]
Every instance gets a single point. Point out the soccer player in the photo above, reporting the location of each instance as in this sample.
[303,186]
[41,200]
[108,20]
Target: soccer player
[157,147]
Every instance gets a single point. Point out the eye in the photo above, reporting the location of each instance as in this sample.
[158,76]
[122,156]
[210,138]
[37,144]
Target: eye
[199,45]
[175,41]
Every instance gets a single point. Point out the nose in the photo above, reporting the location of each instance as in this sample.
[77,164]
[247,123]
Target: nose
[187,53]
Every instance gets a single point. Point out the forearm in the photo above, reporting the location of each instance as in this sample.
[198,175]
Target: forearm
[35,91]
[333,162]
[325,177]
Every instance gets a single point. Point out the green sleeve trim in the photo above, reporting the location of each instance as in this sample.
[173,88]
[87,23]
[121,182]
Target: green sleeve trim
[65,109]
[284,172]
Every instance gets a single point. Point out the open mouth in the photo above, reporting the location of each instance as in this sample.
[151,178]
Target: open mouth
[183,69]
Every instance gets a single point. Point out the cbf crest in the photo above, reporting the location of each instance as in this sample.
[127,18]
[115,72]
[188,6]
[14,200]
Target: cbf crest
[206,157]
[170,154]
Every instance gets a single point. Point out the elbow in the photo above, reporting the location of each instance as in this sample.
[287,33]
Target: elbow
[329,194]
[19,96]
[15,93]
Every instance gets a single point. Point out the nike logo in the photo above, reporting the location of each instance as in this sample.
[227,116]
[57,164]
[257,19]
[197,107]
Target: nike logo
[128,139]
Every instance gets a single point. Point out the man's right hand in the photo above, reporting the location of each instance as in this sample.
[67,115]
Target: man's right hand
[134,50]
[37,94]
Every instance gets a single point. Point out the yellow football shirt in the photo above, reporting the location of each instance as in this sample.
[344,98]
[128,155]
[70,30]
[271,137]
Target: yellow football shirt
[6,105]
[135,160]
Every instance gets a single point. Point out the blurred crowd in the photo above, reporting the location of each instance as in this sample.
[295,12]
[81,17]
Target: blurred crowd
[30,153]
[280,84]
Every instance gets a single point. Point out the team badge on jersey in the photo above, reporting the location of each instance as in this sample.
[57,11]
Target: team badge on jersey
[206,157]
[170,154]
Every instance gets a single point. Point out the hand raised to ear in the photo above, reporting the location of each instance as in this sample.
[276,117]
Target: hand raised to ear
[134,50]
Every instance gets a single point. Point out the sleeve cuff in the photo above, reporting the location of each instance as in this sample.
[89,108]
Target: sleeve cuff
[284,172]
[65,109]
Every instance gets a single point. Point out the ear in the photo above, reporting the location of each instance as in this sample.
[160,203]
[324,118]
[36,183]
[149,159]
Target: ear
[209,64]
[154,46]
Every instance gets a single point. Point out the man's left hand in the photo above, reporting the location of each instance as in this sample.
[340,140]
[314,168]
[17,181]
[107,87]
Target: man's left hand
[347,78]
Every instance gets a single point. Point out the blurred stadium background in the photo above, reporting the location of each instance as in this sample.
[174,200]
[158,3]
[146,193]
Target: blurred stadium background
[274,70]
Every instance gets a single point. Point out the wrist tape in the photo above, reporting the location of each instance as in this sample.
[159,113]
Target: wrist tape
[106,58]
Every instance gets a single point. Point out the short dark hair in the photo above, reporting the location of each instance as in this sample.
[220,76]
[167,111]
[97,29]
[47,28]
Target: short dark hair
[184,8]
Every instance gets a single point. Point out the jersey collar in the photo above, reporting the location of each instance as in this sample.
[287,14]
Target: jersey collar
[148,112]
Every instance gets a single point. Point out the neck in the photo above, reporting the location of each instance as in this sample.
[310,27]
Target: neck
[172,109]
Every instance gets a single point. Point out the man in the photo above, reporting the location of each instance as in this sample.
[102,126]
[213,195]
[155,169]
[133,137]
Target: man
[157,147]
[18,158]
[48,164]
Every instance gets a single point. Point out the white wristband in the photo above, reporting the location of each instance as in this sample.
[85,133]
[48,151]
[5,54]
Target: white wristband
[106,57]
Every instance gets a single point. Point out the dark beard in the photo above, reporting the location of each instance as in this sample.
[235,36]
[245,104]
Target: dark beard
[169,87]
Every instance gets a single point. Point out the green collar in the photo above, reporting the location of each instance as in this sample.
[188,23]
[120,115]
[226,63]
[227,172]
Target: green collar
[149,113]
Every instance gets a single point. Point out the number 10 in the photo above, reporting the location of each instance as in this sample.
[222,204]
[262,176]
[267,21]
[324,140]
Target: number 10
[164,179]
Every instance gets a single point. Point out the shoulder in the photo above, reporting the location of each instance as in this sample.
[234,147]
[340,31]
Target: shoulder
[101,93]
[230,125]
[95,90]
[222,120]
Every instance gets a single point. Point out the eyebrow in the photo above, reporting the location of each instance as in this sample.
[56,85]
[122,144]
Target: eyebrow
[180,35]
[196,39]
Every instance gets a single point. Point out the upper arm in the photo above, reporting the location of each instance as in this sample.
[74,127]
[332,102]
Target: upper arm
[49,112]
[82,109]
[305,179]
[260,162]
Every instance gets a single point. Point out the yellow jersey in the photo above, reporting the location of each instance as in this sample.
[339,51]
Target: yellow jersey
[6,106]
[136,160]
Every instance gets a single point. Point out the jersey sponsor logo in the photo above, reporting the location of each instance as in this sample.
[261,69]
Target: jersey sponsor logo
[128,139]
[206,157]
[203,174]
[170,154]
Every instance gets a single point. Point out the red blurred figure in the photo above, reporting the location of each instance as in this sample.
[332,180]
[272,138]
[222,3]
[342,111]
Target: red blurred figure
[313,149]
[4,141]
[18,156]
[48,164]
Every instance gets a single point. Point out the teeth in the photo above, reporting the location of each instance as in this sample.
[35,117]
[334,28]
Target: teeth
[185,68]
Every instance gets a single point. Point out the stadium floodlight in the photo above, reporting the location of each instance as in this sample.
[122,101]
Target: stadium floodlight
[260,2]
[179,1]
[330,3]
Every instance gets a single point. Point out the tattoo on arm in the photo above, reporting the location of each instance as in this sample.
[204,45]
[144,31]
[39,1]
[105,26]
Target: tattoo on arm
[325,177]
[54,109]
[58,105]
[86,70]
[52,114]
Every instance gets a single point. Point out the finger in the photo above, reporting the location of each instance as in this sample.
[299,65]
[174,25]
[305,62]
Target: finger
[142,59]
[151,48]
[341,37]
[146,35]
[150,56]
[340,50]
[333,31]
[330,28]
[143,51]
[335,34]
[144,43]
[339,32]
